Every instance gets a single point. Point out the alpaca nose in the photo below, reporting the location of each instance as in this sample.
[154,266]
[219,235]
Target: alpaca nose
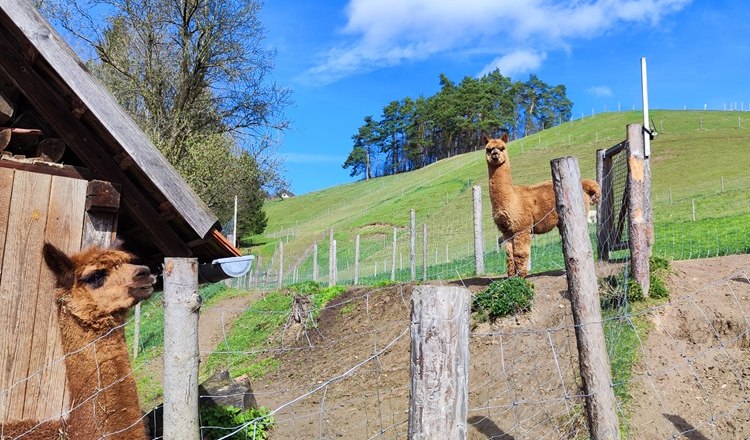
[142,272]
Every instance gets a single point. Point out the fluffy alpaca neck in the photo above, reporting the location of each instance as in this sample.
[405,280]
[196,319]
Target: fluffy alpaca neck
[501,185]
[102,390]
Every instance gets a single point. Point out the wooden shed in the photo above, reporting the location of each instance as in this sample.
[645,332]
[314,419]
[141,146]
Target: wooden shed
[75,170]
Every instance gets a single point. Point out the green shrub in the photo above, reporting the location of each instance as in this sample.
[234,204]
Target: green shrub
[505,297]
[218,421]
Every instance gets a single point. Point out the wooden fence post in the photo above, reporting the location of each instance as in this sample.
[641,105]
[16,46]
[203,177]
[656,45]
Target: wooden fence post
[478,232]
[136,330]
[393,256]
[181,305]
[334,272]
[356,260]
[424,252]
[330,259]
[315,262]
[413,245]
[639,231]
[593,360]
[439,363]
[281,264]
[603,217]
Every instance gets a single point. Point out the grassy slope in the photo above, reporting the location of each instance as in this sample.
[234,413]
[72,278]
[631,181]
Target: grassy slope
[687,161]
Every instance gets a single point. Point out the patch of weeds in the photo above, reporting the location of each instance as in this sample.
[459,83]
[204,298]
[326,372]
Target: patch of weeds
[618,290]
[347,309]
[218,421]
[503,298]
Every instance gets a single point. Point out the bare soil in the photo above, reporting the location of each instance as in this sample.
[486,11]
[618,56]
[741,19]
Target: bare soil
[349,376]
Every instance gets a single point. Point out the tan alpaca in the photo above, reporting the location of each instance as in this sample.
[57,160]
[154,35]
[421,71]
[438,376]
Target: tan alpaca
[95,289]
[518,210]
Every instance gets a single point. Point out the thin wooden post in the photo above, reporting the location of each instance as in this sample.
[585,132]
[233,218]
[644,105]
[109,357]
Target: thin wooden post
[136,330]
[413,245]
[331,263]
[393,256]
[356,260]
[478,233]
[424,252]
[638,212]
[601,407]
[181,305]
[334,272]
[603,169]
[315,262]
[281,264]
[439,363]
[692,202]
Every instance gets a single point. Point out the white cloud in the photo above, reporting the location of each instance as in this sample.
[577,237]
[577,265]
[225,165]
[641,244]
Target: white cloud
[600,91]
[515,63]
[382,33]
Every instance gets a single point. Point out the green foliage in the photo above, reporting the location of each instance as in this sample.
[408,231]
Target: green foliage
[505,297]
[218,421]
[412,134]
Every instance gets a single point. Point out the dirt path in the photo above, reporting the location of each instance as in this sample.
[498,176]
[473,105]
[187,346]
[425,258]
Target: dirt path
[216,321]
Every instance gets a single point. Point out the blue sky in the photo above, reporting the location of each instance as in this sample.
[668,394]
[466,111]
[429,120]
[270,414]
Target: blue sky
[345,60]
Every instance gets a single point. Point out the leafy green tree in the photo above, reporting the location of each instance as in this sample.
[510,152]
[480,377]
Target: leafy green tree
[194,75]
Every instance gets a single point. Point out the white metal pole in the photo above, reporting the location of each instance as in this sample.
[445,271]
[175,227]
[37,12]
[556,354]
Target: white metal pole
[234,224]
[644,90]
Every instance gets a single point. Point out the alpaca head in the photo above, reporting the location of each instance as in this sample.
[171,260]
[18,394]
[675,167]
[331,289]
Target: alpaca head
[98,284]
[496,150]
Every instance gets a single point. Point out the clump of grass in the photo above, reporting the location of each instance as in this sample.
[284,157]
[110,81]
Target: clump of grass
[219,421]
[504,297]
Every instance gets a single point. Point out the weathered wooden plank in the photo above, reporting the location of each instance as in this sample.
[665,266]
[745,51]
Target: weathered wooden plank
[45,398]
[637,213]
[48,102]
[6,186]
[22,263]
[107,113]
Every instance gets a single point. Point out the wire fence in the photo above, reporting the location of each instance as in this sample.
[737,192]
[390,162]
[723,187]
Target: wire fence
[680,368]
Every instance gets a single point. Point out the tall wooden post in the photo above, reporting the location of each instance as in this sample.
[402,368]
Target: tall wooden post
[331,263]
[639,227]
[356,260]
[413,245]
[424,252]
[334,271]
[478,232]
[393,256]
[582,286]
[315,262]
[280,281]
[439,363]
[602,250]
[181,305]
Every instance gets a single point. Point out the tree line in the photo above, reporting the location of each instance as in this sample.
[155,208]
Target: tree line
[413,133]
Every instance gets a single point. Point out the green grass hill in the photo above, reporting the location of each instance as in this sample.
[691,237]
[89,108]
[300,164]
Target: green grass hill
[699,164]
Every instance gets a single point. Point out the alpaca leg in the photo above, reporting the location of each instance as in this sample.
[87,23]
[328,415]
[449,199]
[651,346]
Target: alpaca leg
[509,264]
[521,252]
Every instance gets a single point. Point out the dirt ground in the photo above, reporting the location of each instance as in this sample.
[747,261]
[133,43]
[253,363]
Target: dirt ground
[349,376]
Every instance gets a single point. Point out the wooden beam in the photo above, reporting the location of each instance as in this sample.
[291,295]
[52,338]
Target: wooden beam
[54,108]
[102,196]
[45,168]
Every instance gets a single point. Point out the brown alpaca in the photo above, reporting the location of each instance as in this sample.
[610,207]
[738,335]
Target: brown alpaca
[519,210]
[95,289]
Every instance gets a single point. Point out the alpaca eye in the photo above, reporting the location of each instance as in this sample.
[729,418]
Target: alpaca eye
[95,279]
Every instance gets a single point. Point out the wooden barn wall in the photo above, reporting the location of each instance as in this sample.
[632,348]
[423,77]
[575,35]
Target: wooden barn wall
[34,208]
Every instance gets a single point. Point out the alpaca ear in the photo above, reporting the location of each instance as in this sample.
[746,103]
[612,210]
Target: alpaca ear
[60,265]
[505,137]
[485,138]
[117,243]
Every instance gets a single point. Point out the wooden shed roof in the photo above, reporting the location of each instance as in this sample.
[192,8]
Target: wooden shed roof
[160,215]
